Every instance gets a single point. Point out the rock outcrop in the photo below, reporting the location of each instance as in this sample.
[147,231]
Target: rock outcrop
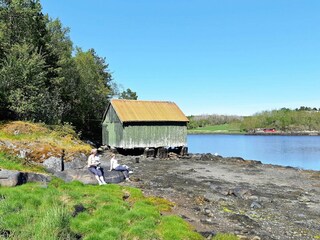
[76,170]
[86,177]
[12,178]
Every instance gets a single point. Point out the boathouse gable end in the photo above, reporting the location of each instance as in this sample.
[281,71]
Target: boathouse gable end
[112,128]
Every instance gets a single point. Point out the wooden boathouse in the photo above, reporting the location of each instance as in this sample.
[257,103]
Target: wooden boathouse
[131,124]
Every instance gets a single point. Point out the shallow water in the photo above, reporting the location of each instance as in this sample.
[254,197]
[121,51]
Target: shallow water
[296,151]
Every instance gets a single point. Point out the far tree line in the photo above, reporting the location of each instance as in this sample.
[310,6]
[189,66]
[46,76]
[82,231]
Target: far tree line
[43,77]
[284,119]
[198,121]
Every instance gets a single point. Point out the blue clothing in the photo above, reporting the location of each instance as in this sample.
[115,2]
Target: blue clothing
[123,169]
[96,170]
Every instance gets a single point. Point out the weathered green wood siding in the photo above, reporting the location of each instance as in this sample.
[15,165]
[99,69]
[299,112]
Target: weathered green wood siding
[112,129]
[142,135]
[154,135]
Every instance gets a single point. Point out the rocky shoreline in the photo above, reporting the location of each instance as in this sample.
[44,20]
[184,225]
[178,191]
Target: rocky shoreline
[233,195]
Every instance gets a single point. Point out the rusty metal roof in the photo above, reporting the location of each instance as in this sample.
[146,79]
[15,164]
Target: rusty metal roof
[147,111]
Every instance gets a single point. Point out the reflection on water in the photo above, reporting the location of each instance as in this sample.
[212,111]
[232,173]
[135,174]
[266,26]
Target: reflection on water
[295,151]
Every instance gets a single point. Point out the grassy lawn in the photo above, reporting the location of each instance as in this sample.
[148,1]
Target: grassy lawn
[73,210]
[233,128]
[76,211]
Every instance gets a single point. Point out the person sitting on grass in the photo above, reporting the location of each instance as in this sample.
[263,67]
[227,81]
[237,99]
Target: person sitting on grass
[114,165]
[94,166]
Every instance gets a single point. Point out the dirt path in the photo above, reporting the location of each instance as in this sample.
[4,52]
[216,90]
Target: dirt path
[232,195]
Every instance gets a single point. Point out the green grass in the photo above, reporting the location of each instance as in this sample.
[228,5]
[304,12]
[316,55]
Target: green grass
[31,211]
[14,163]
[173,227]
[232,128]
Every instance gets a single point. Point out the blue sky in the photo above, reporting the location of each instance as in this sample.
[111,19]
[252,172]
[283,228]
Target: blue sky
[234,57]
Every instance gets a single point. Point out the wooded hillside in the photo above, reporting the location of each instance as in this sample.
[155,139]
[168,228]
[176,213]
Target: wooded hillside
[284,119]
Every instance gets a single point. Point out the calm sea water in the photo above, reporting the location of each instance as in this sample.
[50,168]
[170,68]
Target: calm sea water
[296,151]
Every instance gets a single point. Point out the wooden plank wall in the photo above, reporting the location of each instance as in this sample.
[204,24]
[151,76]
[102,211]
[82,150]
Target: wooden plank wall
[142,135]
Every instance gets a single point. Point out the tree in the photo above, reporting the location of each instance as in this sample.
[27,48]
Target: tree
[93,90]
[128,94]
[22,22]
[61,46]
[23,82]
[23,35]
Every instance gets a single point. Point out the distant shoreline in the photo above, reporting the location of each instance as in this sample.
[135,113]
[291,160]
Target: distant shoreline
[285,134]
[254,134]
[215,133]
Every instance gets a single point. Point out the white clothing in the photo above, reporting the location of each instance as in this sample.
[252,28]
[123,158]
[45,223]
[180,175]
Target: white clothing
[93,160]
[113,163]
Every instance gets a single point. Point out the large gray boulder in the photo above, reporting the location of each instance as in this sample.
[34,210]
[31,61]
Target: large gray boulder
[53,164]
[76,170]
[81,175]
[36,177]
[78,162]
[11,178]
[86,177]
[57,164]
[114,176]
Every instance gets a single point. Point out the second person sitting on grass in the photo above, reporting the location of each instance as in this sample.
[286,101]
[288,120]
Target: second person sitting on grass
[114,165]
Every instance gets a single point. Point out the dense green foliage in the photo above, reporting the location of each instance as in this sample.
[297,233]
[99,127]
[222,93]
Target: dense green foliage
[74,211]
[285,120]
[42,78]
